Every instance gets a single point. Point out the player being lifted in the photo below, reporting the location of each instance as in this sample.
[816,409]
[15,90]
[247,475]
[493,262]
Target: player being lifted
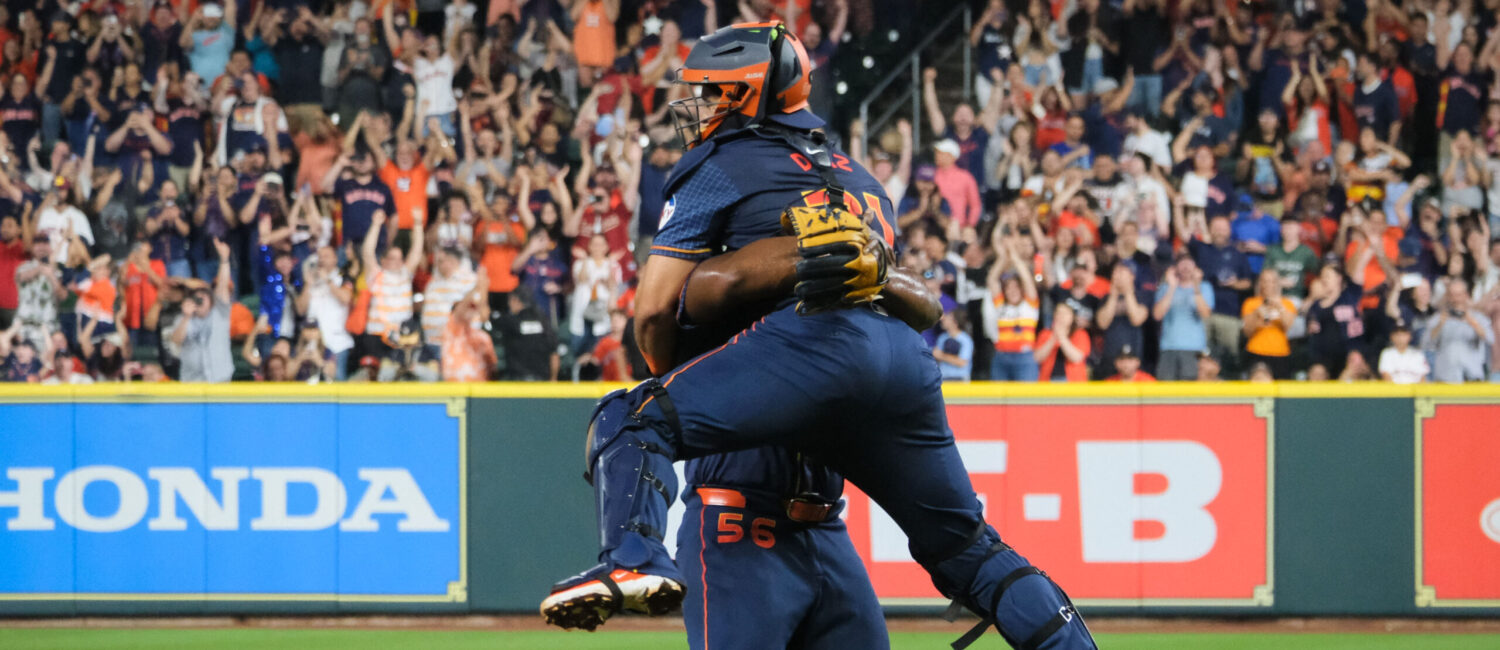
[832,376]
[768,561]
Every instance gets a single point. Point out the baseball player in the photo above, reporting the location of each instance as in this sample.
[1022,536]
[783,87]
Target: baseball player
[827,372]
[768,561]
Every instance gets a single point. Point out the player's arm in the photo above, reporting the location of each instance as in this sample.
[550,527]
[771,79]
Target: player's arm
[656,300]
[767,270]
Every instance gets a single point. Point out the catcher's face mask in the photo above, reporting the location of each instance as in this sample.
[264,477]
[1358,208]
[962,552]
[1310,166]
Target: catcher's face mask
[698,117]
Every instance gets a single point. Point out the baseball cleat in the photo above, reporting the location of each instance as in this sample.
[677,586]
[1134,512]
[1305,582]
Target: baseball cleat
[585,603]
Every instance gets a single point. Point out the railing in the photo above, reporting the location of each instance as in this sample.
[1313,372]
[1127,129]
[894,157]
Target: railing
[912,65]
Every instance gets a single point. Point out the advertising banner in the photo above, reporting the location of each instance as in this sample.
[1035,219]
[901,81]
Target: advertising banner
[257,500]
[1136,503]
[1458,505]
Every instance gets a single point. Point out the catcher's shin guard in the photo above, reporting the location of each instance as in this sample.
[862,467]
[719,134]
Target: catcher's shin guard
[632,438]
[1005,590]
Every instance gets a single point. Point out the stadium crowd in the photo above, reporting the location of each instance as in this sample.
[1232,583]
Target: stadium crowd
[285,190]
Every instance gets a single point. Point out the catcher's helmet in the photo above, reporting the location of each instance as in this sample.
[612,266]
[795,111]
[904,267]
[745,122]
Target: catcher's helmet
[742,74]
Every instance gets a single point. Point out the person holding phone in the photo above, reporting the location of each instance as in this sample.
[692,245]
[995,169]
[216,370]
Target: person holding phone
[1459,337]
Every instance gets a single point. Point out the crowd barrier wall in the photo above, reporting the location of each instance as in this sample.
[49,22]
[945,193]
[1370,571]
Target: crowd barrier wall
[1165,499]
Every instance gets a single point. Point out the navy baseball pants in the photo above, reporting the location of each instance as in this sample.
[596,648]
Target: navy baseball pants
[757,580]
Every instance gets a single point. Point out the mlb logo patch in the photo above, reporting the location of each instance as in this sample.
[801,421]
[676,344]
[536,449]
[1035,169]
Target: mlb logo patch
[666,212]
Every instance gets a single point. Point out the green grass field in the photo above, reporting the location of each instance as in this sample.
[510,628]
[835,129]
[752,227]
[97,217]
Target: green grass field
[219,639]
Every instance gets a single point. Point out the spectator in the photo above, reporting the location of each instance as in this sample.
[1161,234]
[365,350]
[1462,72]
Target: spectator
[498,238]
[59,220]
[1062,350]
[1209,367]
[406,357]
[1128,367]
[298,48]
[433,73]
[608,355]
[971,134]
[209,37]
[389,278]
[1334,321]
[1255,233]
[1121,317]
[594,35]
[1459,337]
[543,273]
[1228,271]
[956,185]
[39,288]
[168,230]
[1260,373]
[596,279]
[467,352]
[453,280]
[954,350]
[1183,308]
[312,363]
[1356,368]
[361,194]
[324,302]
[925,203]
[1374,100]
[1011,312]
[64,371]
[1268,318]
[407,177]
[1292,260]
[203,331]
[18,358]
[276,266]
[361,68]
[96,297]
[21,110]
[15,239]
[530,341]
[1400,363]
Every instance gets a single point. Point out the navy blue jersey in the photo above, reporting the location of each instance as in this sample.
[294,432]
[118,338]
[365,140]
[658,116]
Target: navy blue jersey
[360,201]
[727,193]
[721,196]
[184,129]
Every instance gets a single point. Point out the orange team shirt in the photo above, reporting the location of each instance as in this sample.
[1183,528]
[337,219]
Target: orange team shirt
[467,353]
[410,189]
[316,158]
[140,294]
[1141,377]
[498,258]
[804,15]
[1078,223]
[594,36]
[97,300]
[1268,341]
[609,366]
[1073,371]
[1374,275]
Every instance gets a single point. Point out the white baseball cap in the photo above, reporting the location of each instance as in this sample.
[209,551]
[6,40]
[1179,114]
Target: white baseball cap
[213,10]
[948,146]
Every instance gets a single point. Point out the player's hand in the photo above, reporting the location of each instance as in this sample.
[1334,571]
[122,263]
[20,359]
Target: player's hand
[839,268]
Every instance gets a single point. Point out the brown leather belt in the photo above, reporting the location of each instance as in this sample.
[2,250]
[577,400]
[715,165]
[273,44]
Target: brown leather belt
[798,509]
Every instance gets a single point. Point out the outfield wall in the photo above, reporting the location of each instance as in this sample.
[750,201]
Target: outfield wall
[1292,499]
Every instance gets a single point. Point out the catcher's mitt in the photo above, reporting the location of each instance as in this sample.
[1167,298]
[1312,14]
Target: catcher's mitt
[843,262]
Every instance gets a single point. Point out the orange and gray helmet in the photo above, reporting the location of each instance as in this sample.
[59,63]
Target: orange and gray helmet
[742,75]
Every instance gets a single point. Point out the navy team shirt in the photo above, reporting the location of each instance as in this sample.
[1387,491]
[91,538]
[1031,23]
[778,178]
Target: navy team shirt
[723,195]
[360,201]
